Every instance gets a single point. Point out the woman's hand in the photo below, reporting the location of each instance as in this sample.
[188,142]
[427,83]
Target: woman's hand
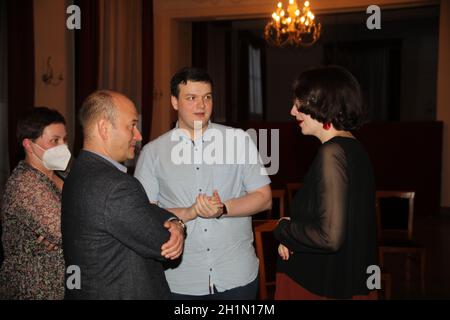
[284,252]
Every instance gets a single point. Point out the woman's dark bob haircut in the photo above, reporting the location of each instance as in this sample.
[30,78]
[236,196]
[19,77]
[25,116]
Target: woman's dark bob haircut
[330,94]
[32,125]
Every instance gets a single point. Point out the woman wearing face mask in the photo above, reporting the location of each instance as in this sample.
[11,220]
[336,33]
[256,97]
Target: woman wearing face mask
[31,211]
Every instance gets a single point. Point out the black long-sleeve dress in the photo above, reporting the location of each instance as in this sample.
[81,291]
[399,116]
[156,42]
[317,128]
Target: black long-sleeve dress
[332,231]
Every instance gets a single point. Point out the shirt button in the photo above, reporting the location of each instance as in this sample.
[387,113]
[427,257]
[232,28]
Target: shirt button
[198,168]
[206,230]
[210,269]
[207,249]
[200,190]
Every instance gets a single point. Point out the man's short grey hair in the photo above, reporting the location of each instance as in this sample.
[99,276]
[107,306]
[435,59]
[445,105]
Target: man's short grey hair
[98,105]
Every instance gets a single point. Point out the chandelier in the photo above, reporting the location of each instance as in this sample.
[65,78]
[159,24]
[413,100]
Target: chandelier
[295,26]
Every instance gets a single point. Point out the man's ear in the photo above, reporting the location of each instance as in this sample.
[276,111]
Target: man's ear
[174,101]
[103,128]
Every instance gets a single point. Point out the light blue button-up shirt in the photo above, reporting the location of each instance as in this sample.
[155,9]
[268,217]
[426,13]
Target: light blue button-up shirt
[217,252]
[116,164]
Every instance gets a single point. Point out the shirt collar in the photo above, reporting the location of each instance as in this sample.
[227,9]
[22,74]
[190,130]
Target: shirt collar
[185,135]
[116,164]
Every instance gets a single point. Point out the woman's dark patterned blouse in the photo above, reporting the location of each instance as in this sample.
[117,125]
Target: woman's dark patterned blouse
[31,208]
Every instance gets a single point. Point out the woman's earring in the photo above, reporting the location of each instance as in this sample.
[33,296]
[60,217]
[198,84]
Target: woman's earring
[327,126]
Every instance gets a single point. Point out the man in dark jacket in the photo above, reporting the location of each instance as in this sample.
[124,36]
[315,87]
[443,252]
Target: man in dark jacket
[111,233]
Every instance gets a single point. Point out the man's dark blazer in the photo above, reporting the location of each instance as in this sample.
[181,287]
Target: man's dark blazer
[112,232]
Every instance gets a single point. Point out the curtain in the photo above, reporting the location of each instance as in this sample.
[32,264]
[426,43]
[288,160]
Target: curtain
[211,51]
[255,96]
[120,67]
[250,84]
[114,50]
[376,66]
[147,68]
[20,69]
[200,44]
[86,60]
[4,161]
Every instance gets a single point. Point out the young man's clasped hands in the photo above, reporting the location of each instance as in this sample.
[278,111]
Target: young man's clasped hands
[208,206]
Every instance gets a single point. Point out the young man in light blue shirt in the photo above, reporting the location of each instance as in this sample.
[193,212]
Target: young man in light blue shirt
[211,177]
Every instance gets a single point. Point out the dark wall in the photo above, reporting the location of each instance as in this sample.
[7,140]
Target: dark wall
[397,64]
[417,38]
[405,156]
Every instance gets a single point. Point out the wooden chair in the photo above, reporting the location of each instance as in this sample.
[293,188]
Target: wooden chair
[397,236]
[386,285]
[267,258]
[279,195]
[278,199]
[292,188]
[266,255]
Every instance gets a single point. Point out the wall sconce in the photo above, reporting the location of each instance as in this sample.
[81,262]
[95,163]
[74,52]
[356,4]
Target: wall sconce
[48,78]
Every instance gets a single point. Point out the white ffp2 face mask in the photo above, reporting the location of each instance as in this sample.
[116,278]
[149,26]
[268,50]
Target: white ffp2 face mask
[56,158]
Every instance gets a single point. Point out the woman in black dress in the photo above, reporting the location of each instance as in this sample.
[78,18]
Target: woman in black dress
[330,239]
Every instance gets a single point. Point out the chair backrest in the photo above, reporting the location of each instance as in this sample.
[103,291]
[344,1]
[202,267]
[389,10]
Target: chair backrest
[278,207]
[278,195]
[264,253]
[400,225]
[292,188]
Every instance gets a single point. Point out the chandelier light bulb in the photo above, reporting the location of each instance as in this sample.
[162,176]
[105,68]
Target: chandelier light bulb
[295,26]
